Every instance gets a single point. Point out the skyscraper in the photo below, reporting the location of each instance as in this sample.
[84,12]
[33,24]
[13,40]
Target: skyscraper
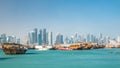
[31,37]
[88,38]
[59,39]
[100,36]
[35,35]
[3,38]
[47,35]
[0,40]
[107,40]
[44,37]
[11,39]
[71,39]
[67,41]
[76,38]
[50,36]
[83,38]
[40,37]
[18,41]
[118,39]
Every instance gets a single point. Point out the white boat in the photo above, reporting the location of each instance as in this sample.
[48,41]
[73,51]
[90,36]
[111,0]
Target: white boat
[43,48]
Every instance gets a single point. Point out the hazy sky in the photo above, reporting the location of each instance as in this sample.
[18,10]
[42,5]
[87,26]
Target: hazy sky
[18,17]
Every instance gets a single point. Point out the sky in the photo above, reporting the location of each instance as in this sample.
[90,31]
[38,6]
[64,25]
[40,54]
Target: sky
[18,17]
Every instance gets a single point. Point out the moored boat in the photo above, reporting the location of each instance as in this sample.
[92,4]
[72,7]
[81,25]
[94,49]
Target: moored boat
[65,48]
[13,48]
[43,48]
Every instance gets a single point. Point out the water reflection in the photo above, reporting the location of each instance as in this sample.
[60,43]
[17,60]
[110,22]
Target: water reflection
[115,53]
[6,58]
[31,53]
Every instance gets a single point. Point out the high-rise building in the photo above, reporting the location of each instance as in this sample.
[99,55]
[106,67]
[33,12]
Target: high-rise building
[107,40]
[83,38]
[0,40]
[59,39]
[76,38]
[35,35]
[118,39]
[47,35]
[40,38]
[91,38]
[88,39]
[31,37]
[79,38]
[12,39]
[44,37]
[18,41]
[100,36]
[50,38]
[72,39]
[95,39]
[3,38]
[67,40]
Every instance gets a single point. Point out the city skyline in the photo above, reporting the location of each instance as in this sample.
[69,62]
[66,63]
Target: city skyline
[45,37]
[18,17]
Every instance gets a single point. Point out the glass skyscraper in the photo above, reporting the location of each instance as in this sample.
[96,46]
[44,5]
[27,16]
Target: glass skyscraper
[44,37]
[35,35]
[31,37]
[51,38]
[59,39]
[40,38]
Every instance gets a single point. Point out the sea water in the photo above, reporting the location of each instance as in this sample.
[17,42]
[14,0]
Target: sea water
[98,58]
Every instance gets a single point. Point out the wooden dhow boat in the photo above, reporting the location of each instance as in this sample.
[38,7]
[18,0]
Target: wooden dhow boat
[13,48]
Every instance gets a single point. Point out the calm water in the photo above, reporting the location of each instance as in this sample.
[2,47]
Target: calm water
[101,58]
